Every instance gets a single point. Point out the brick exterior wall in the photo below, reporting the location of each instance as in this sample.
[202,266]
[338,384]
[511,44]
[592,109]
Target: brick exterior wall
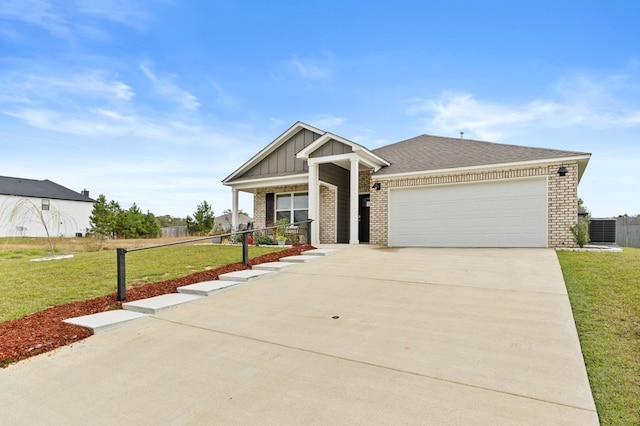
[562,197]
[364,181]
[328,209]
[563,204]
[260,201]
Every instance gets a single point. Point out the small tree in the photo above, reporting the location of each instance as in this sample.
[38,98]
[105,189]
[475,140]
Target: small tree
[166,221]
[281,230]
[150,226]
[24,209]
[202,221]
[580,231]
[103,219]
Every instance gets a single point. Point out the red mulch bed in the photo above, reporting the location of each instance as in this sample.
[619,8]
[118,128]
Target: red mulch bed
[44,331]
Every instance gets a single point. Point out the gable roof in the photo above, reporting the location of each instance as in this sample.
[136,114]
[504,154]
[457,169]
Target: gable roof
[424,153]
[39,189]
[371,159]
[270,148]
[365,155]
[431,153]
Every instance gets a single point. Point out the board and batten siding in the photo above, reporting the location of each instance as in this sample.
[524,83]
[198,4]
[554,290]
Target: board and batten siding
[339,177]
[332,147]
[283,159]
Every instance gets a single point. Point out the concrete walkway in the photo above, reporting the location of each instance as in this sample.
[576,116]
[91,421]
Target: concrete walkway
[364,336]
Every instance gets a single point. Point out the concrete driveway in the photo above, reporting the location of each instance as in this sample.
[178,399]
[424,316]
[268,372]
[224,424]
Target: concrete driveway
[364,336]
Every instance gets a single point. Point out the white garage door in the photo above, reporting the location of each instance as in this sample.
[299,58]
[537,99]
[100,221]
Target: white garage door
[496,214]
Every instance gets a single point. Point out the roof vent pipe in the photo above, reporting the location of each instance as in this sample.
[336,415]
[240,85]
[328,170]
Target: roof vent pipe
[461,135]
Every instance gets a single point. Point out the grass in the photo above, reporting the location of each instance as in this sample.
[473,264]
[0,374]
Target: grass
[27,287]
[604,289]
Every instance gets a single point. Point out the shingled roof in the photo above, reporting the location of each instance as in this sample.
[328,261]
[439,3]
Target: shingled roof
[426,152]
[39,189]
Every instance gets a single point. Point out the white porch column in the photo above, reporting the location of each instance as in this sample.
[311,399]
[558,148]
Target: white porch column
[353,202]
[234,210]
[314,203]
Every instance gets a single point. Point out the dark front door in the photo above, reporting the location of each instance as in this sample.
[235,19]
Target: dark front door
[363,222]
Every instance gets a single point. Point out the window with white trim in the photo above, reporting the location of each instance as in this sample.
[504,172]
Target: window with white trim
[293,206]
[46,204]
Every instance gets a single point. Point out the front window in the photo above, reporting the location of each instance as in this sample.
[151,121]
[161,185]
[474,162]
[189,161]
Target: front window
[293,207]
[45,204]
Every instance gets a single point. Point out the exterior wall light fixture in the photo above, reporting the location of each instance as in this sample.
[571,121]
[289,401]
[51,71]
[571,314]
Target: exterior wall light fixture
[377,186]
[562,171]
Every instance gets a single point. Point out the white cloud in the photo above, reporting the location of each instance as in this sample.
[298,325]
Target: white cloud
[223,97]
[73,20]
[42,13]
[275,122]
[578,101]
[327,122]
[126,12]
[47,89]
[165,87]
[314,69]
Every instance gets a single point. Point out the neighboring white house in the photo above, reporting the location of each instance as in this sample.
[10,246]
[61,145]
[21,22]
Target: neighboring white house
[26,205]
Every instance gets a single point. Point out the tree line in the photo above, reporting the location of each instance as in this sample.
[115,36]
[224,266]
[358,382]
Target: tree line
[109,220]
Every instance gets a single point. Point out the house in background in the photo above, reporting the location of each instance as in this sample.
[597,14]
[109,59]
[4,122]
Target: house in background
[26,203]
[225,222]
[426,191]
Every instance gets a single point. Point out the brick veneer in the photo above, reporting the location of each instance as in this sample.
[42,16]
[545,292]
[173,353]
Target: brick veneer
[562,197]
[328,209]
[364,181]
[260,201]
[563,204]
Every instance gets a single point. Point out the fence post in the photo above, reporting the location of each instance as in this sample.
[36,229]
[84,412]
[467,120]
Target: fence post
[122,274]
[245,248]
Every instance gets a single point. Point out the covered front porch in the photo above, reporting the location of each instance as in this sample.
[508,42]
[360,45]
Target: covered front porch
[305,174]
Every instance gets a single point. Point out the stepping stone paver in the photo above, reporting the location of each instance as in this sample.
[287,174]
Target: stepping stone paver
[299,259]
[319,252]
[207,287]
[104,320]
[158,303]
[243,276]
[272,266]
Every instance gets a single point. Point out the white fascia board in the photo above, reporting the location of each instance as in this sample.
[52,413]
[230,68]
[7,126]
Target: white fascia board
[269,148]
[245,185]
[483,167]
[345,157]
[305,152]
[327,184]
[373,157]
[331,158]
[364,155]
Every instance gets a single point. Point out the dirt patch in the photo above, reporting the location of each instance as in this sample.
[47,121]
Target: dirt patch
[44,331]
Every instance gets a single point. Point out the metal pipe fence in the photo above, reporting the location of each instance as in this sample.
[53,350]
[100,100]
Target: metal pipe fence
[242,235]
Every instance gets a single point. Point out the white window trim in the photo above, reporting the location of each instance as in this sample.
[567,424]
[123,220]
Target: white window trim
[292,210]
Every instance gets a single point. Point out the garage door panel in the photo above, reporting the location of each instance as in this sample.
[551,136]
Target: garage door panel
[488,214]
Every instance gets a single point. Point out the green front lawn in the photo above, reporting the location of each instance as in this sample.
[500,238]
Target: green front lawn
[604,289]
[27,287]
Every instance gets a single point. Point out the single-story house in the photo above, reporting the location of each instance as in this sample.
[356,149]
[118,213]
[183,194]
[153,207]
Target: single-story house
[224,222]
[26,205]
[427,191]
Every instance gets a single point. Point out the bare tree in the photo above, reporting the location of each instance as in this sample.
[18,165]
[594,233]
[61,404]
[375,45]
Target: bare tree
[25,211]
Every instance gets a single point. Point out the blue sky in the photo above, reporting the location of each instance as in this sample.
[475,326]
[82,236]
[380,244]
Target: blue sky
[156,101]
